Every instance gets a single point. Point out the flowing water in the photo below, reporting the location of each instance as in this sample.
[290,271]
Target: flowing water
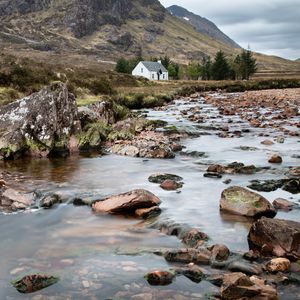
[106,257]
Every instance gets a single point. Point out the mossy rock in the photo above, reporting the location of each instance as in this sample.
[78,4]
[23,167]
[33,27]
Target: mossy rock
[240,201]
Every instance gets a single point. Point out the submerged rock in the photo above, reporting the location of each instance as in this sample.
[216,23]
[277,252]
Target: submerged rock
[193,238]
[50,200]
[147,213]
[34,283]
[275,237]
[284,204]
[127,202]
[160,178]
[160,277]
[245,267]
[171,185]
[240,201]
[192,272]
[38,125]
[189,255]
[219,252]
[275,159]
[265,185]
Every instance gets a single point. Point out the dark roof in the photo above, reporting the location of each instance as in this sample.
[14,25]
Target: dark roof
[153,66]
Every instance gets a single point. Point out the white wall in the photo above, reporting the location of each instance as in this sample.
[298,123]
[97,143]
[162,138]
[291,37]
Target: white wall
[140,70]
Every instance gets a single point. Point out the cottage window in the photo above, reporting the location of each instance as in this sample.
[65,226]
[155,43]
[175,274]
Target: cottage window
[152,76]
[164,76]
[142,70]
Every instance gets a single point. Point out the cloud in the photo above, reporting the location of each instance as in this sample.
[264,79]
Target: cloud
[270,27]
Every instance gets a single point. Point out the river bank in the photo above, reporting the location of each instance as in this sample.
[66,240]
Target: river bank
[107,256]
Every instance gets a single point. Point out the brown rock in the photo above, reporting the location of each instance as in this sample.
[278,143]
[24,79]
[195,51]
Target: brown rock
[240,201]
[275,237]
[160,277]
[216,169]
[219,252]
[127,202]
[278,265]
[283,204]
[194,237]
[16,199]
[170,185]
[146,213]
[198,256]
[275,159]
[238,286]
[267,143]
[252,255]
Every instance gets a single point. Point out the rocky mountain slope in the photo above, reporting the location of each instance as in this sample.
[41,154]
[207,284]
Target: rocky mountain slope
[202,25]
[103,30]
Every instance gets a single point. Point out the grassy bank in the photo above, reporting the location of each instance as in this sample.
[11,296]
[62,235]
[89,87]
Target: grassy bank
[20,77]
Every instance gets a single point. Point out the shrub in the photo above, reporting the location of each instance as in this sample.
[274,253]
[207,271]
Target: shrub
[101,86]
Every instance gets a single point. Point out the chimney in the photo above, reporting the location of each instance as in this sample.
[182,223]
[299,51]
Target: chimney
[159,61]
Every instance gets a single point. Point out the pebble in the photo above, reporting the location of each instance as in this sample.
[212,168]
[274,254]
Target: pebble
[86,284]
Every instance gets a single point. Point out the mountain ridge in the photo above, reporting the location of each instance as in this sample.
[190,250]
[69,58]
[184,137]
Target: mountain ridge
[201,24]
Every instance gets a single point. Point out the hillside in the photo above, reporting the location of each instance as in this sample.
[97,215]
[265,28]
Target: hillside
[89,31]
[202,25]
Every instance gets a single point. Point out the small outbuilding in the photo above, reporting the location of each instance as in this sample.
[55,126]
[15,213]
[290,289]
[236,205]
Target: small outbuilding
[151,70]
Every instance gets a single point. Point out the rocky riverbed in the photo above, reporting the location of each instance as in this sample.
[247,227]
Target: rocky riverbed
[164,236]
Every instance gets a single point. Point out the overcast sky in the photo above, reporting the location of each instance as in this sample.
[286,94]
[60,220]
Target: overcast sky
[268,26]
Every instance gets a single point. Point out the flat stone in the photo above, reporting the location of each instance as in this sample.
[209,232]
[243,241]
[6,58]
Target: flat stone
[198,256]
[283,204]
[127,202]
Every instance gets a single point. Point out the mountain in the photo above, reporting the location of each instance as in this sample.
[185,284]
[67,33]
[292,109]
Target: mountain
[202,25]
[89,31]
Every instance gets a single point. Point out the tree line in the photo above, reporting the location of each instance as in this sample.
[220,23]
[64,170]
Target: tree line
[240,67]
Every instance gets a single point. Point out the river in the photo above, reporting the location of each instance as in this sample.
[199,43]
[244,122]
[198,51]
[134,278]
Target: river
[106,257]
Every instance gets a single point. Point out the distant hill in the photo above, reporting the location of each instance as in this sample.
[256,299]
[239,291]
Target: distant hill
[202,25]
[101,31]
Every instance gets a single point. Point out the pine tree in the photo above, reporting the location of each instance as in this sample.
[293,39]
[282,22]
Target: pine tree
[248,64]
[220,67]
[206,69]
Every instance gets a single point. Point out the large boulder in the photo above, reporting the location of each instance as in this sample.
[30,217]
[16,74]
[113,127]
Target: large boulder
[240,201]
[127,202]
[39,124]
[276,237]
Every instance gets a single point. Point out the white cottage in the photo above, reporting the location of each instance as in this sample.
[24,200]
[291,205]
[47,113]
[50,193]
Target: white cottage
[151,70]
